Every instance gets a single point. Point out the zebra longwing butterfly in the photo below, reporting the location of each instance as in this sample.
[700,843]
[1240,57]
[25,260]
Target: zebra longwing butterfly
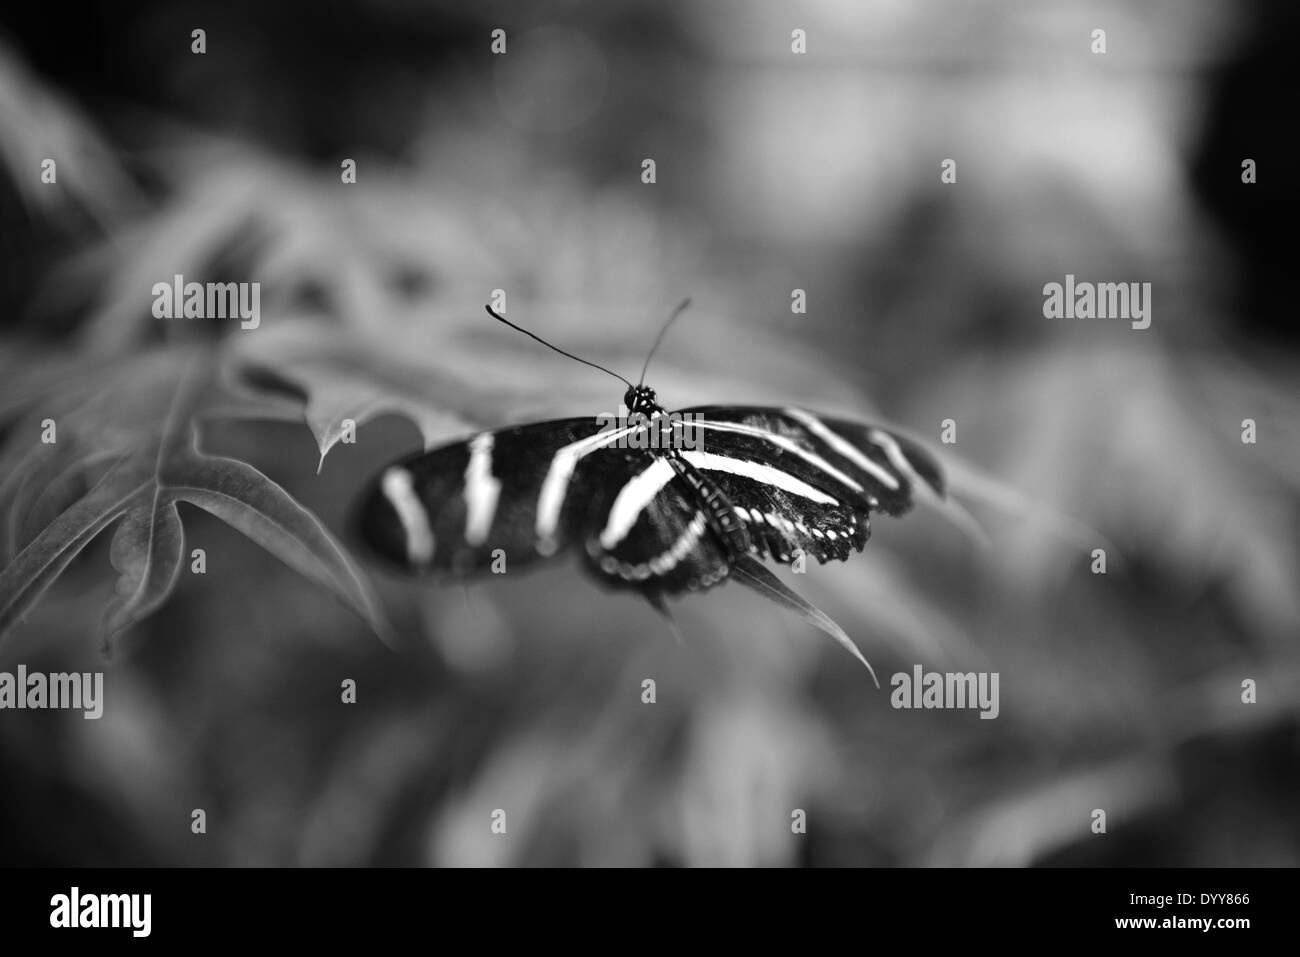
[760,483]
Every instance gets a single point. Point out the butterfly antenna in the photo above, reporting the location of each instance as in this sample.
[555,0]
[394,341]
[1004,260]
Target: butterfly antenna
[501,318]
[681,307]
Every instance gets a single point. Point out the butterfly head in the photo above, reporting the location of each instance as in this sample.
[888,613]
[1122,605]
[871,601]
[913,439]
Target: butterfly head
[641,398]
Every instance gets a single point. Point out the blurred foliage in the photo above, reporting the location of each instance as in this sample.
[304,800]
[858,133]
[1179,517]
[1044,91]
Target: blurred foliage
[128,457]
[1119,691]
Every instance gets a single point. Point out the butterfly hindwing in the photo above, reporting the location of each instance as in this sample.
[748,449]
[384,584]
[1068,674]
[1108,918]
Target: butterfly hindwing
[783,525]
[655,533]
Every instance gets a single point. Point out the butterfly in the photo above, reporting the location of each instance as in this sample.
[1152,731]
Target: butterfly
[654,502]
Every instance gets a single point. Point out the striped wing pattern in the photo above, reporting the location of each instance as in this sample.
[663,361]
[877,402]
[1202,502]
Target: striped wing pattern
[780,482]
[857,469]
[669,544]
[447,511]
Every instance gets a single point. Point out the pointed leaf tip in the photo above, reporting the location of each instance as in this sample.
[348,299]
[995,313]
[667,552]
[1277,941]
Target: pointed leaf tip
[754,574]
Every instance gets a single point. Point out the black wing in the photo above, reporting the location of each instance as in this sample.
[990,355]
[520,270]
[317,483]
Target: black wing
[656,533]
[520,494]
[530,492]
[807,483]
[798,482]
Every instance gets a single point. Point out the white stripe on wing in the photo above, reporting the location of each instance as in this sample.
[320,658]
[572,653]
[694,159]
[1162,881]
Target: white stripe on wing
[550,499]
[897,458]
[400,492]
[781,442]
[640,490]
[844,447]
[482,489]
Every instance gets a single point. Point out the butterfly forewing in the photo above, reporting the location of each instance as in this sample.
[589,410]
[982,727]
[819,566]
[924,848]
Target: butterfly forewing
[855,462]
[460,508]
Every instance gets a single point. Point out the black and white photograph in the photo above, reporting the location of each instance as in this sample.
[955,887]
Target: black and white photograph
[708,434]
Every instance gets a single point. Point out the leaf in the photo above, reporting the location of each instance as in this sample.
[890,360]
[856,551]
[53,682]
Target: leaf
[39,502]
[291,228]
[754,574]
[898,609]
[337,377]
[143,487]
[36,122]
[25,579]
[99,416]
[147,551]
[251,503]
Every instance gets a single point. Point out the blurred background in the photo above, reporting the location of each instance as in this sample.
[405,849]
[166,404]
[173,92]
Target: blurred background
[774,171]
